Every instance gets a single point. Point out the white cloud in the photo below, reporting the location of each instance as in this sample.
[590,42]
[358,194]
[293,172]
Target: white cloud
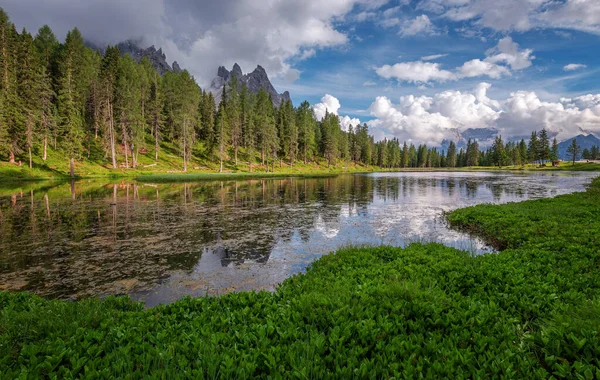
[500,59]
[477,68]
[424,119]
[346,122]
[574,66]
[433,57]
[520,15]
[369,83]
[419,25]
[507,51]
[415,72]
[331,104]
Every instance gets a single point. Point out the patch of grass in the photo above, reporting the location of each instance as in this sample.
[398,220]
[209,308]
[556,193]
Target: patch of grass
[431,311]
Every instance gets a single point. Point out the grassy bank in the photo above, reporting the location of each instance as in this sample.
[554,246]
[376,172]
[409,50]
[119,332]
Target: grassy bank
[169,167]
[532,311]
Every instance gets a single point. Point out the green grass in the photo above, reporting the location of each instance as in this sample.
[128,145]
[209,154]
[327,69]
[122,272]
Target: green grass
[95,165]
[531,311]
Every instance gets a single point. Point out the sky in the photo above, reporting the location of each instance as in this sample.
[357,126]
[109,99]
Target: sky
[423,71]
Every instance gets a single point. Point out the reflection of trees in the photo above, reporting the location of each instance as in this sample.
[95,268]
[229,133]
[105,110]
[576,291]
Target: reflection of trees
[126,237]
[81,239]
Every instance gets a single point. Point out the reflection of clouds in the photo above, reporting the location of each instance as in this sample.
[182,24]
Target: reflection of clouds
[329,230]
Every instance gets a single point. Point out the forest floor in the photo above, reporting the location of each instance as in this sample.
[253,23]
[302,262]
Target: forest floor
[530,311]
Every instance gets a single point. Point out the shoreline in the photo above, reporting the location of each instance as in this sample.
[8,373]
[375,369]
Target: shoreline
[9,174]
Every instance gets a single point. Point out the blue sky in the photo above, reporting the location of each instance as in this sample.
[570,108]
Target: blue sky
[419,70]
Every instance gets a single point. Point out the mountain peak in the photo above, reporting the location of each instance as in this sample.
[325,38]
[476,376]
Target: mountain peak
[256,80]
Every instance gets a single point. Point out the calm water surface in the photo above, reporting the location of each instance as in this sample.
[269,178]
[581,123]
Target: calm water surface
[159,243]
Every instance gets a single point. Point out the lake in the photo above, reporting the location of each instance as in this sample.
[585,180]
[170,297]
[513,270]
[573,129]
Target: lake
[160,242]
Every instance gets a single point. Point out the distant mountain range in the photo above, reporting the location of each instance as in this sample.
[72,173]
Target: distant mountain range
[582,140]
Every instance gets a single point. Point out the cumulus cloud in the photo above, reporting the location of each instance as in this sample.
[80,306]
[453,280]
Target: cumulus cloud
[430,120]
[507,51]
[477,68]
[520,15]
[574,66]
[500,60]
[415,72]
[202,34]
[330,104]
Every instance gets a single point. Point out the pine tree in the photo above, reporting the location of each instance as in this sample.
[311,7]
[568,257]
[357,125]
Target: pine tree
[554,152]
[29,75]
[221,132]
[330,127]
[234,116]
[290,131]
[188,116]
[451,158]
[499,153]
[106,100]
[47,50]
[70,105]
[11,119]
[543,146]
[574,150]
[306,125]
[523,152]
[128,102]
[533,148]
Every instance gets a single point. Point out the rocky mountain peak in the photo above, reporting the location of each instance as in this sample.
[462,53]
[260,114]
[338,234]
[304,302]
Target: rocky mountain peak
[255,81]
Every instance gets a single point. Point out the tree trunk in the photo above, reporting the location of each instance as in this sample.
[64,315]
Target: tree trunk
[11,157]
[72,165]
[125,146]
[30,158]
[156,147]
[221,168]
[250,163]
[133,157]
[235,152]
[111,127]
[73,195]
[45,154]
[305,162]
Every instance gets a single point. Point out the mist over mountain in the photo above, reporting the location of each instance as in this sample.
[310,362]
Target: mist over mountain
[133,48]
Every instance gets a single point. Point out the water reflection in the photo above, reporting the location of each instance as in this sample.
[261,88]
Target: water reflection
[159,242]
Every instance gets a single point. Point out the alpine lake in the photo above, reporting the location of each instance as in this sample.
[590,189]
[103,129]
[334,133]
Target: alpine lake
[161,242]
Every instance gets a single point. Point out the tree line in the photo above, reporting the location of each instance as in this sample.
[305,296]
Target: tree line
[388,153]
[81,102]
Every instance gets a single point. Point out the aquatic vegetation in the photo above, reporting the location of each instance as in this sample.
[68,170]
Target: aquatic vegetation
[532,311]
